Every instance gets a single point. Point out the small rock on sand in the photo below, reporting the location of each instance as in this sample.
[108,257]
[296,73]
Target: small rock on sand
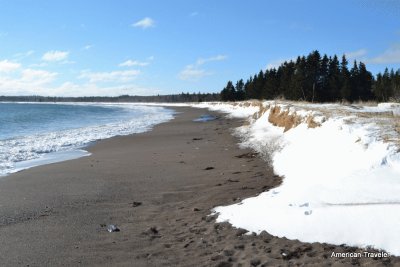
[136,204]
[112,228]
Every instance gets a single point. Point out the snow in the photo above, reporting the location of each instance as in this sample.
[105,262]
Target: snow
[234,111]
[341,181]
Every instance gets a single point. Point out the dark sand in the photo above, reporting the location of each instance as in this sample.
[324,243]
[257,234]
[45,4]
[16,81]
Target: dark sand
[55,215]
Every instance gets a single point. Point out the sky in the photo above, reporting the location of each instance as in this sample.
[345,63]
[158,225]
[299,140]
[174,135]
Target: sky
[117,47]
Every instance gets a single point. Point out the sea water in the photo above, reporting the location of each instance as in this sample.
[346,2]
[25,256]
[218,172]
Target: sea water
[33,134]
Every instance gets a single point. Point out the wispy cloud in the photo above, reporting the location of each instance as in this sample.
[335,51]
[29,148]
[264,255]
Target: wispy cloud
[358,54]
[33,75]
[92,89]
[24,54]
[201,61]
[194,72]
[144,23]
[190,73]
[27,81]
[130,63]
[8,66]
[15,79]
[87,47]
[55,56]
[194,14]
[112,76]
[389,56]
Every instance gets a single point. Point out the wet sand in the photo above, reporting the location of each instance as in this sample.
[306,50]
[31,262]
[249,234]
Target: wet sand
[158,188]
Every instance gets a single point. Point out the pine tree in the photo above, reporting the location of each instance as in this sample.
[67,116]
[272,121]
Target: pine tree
[287,70]
[354,81]
[323,91]
[270,89]
[298,80]
[345,86]
[334,79]
[387,90]
[229,92]
[312,75]
[249,88]
[316,79]
[365,80]
[240,92]
[259,85]
[396,85]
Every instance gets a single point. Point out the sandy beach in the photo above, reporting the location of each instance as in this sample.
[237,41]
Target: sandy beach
[158,188]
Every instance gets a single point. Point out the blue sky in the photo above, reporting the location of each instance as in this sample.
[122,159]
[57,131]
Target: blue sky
[75,48]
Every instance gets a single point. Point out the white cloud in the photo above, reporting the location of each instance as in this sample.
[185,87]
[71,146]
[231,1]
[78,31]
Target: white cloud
[28,82]
[91,89]
[8,66]
[53,56]
[389,56]
[87,47]
[201,61]
[356,54]
[24,54]
[130,63]
[193,72]
[41,64]
[17,80]
[37,76]
[144,23]
[113,76]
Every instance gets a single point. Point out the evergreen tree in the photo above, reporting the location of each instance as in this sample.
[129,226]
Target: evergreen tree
[229,92]
[298,80]
[345,86]
[323,87]
[259,85]
[240,92]
[396,85]
[312,75]
[249,88]
[354,81]
[271,84]
[334,79]
[315,79]
[287,71]
[365,80]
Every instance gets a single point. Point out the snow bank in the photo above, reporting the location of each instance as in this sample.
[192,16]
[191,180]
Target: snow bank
[234,110]
[341,180]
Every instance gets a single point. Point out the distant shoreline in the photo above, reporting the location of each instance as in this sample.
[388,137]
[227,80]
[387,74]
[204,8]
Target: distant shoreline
[172,98]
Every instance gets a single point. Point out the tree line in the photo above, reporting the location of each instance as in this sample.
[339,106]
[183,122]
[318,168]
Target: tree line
[173,98]
[317,78]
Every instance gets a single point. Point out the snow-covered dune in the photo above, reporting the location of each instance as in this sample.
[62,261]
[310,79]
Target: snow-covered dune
[341,172]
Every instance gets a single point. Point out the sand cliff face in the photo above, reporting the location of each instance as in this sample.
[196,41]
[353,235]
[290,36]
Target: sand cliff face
[284,118]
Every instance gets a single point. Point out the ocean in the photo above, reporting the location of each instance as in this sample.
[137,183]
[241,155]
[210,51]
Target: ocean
[33,134]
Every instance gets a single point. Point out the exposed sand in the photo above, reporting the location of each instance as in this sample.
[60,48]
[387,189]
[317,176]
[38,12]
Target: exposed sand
[56,214]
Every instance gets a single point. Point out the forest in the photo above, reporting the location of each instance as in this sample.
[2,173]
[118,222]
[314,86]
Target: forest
[174,98]
[316,78]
